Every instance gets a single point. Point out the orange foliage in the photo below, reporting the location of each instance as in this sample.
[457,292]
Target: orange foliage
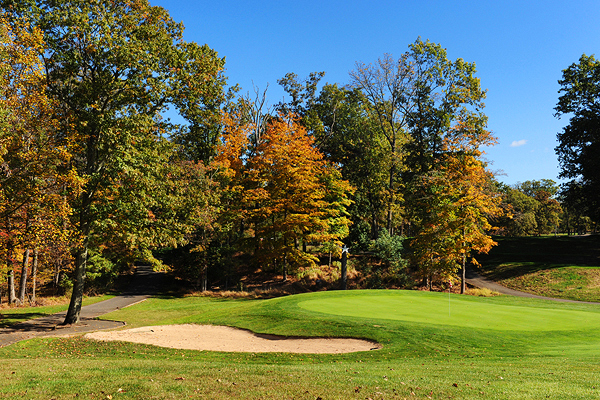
[290,193]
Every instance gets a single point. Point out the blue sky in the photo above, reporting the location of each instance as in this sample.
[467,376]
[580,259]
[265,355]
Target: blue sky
[520,49]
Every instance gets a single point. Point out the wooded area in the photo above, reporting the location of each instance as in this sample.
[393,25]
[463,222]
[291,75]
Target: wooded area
[94,177]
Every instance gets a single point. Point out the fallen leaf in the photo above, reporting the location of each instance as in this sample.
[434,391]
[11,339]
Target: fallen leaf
[181,378]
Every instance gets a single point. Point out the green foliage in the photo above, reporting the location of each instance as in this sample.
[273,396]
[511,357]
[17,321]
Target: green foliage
[523,210]
[113,68]
[389,248]
[576,208]
[360,235]
[578,142]
[101,272]
[532,188]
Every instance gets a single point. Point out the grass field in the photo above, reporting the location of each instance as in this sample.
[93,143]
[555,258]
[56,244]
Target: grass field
[565,267]
[435,346]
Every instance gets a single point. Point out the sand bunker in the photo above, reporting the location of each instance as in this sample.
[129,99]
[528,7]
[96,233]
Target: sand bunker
[223,338]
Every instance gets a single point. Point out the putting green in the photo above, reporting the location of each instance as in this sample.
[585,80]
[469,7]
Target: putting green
[437,308]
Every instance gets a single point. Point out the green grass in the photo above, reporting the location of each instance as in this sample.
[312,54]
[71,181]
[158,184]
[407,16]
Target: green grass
[566,267]
[488,348]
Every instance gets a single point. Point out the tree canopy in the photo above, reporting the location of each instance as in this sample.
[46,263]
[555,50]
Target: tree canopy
[579,142]
[94,177]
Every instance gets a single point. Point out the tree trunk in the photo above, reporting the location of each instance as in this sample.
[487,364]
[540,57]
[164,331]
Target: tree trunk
[463,277]
[344,270]
[24,275]
[390,228]
[12,298]
[10,279]
[77,296]
[204,284]
[34,269]
[81,256]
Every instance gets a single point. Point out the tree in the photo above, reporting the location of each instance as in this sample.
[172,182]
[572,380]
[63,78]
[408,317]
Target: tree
[388,86]
[523,211]
[417,100]
[579,142]
[532,188]
[346,133]
[576,208]
[288,193]
[287,196]
[114,67]
[547,213]
[461,200]
[34,155]
[546,209]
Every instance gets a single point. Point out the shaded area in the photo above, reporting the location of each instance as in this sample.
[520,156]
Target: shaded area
[518,256]
[566,267]
[144,284]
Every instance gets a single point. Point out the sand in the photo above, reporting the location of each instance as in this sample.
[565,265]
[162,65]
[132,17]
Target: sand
[223,338]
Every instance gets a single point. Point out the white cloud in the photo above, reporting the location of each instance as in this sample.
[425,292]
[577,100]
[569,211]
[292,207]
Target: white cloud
[518,143]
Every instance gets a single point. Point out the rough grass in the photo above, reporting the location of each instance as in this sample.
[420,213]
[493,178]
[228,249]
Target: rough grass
[444,356]
[566,267]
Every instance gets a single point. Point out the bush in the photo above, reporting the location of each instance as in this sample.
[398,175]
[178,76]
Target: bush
[389,249]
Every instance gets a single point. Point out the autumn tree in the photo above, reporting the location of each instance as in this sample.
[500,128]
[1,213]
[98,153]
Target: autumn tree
[417,100]
[114,67]
[456,227]
[344,130]
[460,199]
[289,193]
[34,154]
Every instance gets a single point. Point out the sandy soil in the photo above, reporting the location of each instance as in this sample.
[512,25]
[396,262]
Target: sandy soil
[223,338]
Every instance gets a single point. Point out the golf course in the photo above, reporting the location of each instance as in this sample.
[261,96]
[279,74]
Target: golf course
[434,345]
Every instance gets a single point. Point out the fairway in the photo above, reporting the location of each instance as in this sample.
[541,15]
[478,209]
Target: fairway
[441,309]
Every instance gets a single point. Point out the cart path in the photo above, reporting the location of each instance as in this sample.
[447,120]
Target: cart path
[145,284]
[479,281]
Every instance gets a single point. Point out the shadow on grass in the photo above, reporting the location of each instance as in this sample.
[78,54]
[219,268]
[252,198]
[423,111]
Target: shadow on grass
[14,318]
[518,256]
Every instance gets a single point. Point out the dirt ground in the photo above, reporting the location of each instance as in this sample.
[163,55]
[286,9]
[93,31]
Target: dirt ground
[223,338]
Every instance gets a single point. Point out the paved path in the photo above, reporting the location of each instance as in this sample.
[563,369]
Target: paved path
[479,281]
[145,283]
